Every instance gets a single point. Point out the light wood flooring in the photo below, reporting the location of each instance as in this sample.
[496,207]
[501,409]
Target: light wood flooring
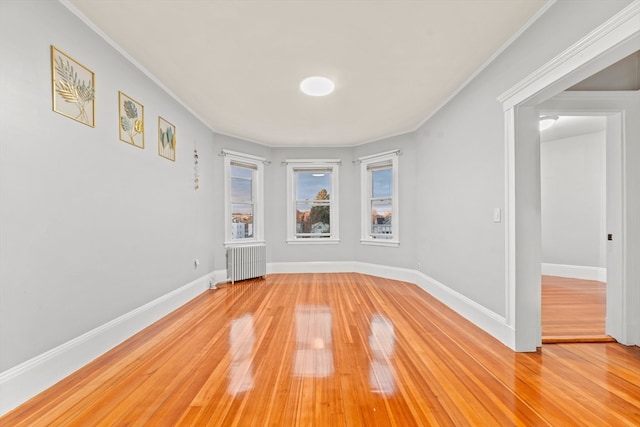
[573,310]
[336,350]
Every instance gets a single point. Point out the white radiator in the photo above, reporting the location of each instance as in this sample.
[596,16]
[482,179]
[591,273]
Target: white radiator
[246,262]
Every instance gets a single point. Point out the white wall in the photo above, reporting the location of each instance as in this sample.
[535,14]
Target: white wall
[241,146]
[623,200]
[573,202]
[461,165]
[91,227]
[403,256]
[279,251]
[349,248]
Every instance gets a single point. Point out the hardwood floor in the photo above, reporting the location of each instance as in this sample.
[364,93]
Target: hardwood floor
[336,350]
[573,310]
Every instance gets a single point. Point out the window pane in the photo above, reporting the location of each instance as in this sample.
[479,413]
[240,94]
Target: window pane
[313,184]
[241,184]
[381,183]
[313,217]
[242,221]
[381,218]
[242,171]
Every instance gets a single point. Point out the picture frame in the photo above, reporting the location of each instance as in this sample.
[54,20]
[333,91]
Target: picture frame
[73,88]
[166,139]
[130,120]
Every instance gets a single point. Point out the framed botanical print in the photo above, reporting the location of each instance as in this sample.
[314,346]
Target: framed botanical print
[131,120]
[73,87]
[166,139]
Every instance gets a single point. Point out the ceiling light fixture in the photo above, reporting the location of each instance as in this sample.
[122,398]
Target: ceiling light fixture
[546,122]
[317,86]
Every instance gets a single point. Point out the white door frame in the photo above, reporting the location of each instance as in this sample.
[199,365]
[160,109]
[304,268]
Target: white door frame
[607,44]
[615,106]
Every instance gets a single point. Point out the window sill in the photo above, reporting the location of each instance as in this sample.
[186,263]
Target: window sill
[316,241]
[388,243]
[235,243]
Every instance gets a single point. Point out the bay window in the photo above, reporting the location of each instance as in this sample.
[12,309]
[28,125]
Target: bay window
[312,202]
[379,199]
[243,198]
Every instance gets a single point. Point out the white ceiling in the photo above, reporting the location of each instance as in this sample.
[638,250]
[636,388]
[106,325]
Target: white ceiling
[237,64]
[570,126]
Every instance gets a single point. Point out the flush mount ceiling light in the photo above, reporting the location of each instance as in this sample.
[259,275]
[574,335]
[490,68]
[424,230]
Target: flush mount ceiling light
[317,86]
[547,121]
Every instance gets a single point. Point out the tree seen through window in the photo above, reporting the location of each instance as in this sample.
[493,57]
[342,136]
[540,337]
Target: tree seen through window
[313,204]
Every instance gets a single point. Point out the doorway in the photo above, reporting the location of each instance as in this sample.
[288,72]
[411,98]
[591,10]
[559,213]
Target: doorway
[614,40]
[573,228]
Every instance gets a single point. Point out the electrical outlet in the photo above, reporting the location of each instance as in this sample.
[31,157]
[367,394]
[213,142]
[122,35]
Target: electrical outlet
[418,266]
[196,263]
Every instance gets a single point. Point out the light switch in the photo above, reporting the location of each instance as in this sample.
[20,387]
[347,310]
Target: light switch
[497,215]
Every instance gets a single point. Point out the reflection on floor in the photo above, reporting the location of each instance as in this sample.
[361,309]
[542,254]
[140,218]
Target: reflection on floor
[382,342]
[241,341]
[338,349]
[313,356]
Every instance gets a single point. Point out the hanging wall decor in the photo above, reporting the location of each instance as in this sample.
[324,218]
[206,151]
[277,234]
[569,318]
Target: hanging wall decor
[131,120]
[166,139]
[196,169]
[73,88]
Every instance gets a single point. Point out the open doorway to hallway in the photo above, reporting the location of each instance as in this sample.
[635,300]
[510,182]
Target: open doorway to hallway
[596,53]
[573,191]
[573,310]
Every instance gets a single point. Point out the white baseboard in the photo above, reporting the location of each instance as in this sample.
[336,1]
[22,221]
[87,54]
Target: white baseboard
[575,271]
[22,382]
[311,267]
[492,323]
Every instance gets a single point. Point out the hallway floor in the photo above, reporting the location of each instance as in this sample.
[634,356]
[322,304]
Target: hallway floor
[573,310]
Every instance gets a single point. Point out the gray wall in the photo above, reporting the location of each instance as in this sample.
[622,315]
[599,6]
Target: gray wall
[91,227]
[461,152]
[410,219]
[349,248]
[573,190]
[623,75]
[276,208]
[217,193]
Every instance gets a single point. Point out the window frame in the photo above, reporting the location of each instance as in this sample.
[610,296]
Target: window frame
[232,158]
[294,165]
[366,189]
